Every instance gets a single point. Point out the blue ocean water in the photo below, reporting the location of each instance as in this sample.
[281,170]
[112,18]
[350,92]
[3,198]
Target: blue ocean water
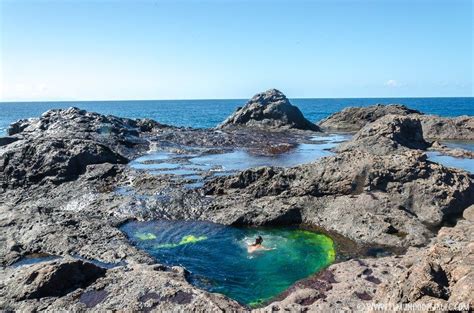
[209,113]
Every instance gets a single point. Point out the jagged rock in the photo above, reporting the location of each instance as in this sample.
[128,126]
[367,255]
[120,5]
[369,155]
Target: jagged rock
[398,199]
[270,109]
[434,127]
[28,162]
[74,122]
[392,199]
[447,128]
[440,274]
[51,279]
[354,118]
[60,144]
[388,134]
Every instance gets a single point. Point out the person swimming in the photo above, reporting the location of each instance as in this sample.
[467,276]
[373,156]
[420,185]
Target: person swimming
[257,246]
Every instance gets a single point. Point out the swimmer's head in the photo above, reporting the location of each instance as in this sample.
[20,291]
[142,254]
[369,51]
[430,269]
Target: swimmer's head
[258,240]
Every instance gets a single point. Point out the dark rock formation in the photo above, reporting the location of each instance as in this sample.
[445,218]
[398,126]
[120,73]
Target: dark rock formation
[54,279]
[448,128]
[60,145]
[60,175]
[434,127]
[393,199]
[438,275]
[354,118]
[388,134]
[28,162]
[272,110]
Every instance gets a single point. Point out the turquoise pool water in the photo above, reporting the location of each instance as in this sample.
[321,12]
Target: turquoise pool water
[218,259]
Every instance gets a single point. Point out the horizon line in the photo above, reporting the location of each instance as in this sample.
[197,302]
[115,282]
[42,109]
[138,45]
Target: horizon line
[221,99]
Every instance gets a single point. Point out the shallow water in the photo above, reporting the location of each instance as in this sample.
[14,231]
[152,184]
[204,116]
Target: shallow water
[449,161]
[30,260]
[191,166]
[218,260]
[460,144]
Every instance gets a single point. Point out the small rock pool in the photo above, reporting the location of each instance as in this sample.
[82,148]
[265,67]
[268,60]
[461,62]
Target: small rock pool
[218,260]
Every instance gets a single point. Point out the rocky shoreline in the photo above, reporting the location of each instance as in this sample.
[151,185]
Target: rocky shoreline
[62,174]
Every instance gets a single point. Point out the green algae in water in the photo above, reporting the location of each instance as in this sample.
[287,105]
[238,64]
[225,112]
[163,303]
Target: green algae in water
[184,241]
[218,260]
[145,236]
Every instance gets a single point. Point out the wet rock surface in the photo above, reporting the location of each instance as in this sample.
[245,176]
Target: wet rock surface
[270,109]
[66,188]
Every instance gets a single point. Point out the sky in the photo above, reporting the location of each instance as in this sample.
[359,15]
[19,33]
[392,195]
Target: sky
[222,49]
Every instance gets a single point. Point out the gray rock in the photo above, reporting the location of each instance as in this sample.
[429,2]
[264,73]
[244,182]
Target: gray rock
[354,118]
[28,162]
[393,199]
[388,134]
[448,128]
[434,127]
[270,109]
[52,279]
[60,198]
[440,274]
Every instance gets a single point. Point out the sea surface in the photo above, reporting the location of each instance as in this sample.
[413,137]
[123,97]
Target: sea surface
[209,113]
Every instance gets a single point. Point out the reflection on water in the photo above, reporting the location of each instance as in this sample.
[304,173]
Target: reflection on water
[218,259]
[449,161]
[218,164]
[459,144]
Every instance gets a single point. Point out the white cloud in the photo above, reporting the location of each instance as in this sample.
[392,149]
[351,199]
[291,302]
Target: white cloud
[392,83]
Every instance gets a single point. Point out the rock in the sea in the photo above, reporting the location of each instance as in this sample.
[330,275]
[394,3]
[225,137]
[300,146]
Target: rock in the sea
[388,134]
[270,109]
[354,118]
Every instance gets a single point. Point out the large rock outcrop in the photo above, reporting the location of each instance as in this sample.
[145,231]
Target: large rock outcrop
[54,279]
[60,145]
[378,189]
[448,128]
[271,110]
[394,199]
[370,198]
[81,286]
[434,127]
[388,134]
[354,118]
[434,278]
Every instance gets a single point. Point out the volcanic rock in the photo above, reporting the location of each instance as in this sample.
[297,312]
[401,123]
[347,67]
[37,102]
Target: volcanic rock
[387,135]
[272,110]
[354,118]
[434,127]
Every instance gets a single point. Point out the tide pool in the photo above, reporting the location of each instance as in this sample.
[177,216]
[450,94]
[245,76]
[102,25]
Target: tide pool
[218,260]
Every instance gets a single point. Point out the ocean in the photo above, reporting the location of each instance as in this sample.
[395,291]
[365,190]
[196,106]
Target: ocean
[209,113]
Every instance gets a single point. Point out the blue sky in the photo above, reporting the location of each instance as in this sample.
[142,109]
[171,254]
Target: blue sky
[99,50]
